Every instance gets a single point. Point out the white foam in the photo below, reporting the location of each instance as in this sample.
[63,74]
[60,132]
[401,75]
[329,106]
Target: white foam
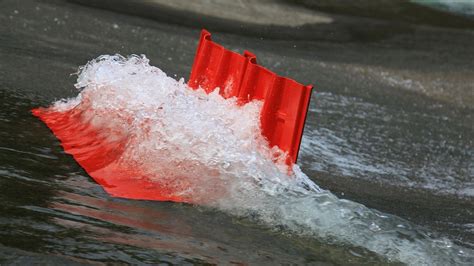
[185,136]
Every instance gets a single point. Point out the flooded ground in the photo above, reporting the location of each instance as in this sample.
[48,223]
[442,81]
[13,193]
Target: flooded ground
[390,126]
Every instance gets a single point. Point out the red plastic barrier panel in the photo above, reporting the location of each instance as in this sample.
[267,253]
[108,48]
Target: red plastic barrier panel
[100,158]
[285,101]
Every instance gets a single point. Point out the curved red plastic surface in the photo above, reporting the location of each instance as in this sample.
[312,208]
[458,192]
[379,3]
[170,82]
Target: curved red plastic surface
[100,158]
[282,121]
[285,101]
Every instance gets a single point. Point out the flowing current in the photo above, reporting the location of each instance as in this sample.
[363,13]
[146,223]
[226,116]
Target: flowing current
[176,134]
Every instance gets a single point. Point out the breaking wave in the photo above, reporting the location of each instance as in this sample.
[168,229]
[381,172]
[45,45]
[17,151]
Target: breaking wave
[184,136]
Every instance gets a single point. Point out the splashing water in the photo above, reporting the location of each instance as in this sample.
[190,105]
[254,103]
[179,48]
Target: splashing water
[212,152]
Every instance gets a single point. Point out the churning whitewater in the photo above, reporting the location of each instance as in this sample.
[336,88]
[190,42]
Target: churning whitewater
[212,152]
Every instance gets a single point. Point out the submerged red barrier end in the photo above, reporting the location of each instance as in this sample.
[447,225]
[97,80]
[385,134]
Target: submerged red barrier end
[285,101]
[100,158]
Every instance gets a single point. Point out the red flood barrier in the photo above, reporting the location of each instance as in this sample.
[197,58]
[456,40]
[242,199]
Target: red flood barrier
[285,101]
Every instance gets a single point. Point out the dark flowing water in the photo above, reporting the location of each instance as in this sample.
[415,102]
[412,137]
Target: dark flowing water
[384,129]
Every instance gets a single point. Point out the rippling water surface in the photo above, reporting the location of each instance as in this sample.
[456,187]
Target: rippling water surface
[409,159]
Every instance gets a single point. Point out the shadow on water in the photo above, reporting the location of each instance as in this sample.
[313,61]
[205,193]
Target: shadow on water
[377,20]
[404,44]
